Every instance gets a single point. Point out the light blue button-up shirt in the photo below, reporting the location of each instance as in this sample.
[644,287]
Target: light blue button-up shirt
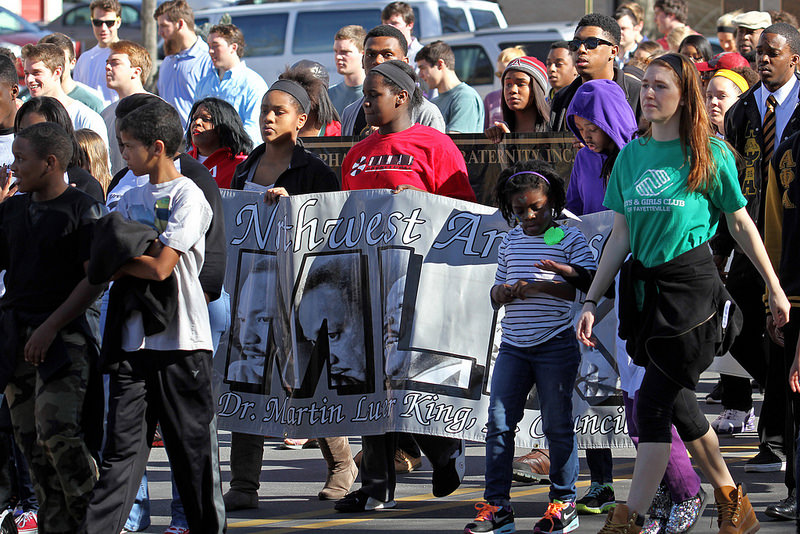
[179,75]
[241,87]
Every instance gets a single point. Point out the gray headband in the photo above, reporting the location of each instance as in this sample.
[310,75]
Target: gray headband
[295,89]
[396,74]
[674,61]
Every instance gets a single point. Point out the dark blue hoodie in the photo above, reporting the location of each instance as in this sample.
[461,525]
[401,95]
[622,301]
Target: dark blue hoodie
[602,102]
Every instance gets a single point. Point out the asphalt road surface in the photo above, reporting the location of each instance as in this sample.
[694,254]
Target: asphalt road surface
[290,480]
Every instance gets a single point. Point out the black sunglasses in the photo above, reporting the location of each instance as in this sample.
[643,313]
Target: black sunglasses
[99,22]
[590,43]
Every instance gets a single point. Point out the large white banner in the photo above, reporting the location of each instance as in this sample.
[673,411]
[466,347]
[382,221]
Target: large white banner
[358,313]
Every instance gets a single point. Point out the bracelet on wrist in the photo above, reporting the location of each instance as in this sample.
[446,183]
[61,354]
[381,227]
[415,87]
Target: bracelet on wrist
[590,301]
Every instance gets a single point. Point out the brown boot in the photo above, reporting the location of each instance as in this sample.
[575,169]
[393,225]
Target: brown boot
[342,471]
[621,520]
[735,514]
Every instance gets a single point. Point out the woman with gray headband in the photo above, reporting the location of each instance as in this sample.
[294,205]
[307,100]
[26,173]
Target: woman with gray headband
[401,155]
[419,157]
[280,166]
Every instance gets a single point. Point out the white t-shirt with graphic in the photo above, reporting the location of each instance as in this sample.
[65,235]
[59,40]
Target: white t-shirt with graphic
[178,210]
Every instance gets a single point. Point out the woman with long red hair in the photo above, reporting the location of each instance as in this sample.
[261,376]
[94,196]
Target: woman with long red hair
[669,189]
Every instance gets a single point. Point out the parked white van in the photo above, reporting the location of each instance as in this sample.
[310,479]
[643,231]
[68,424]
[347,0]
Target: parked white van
[280,34]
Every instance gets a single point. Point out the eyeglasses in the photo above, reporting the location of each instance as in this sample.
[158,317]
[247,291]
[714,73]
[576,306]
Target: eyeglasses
[590,43]
[99,22]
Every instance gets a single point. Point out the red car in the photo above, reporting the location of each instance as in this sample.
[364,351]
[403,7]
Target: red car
[15,32]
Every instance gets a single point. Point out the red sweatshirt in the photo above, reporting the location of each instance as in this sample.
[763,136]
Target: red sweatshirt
[419,156]
[221,164]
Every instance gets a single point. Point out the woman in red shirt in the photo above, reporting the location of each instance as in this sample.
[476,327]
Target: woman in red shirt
[399,154]
[217,138]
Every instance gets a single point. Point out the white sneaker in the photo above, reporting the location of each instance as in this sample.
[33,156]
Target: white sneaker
[734,422]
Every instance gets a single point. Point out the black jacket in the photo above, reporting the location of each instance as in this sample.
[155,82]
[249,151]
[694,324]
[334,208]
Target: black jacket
[782,220]
[87,183]
[687,317]
[743,131]
[213,272]
[115,241]
[558,110]
[306,173]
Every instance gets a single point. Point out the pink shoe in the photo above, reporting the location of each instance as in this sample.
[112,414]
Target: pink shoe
[26,523]
[176,530]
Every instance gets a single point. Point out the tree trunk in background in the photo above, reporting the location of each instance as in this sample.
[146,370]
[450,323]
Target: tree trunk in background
[150,35]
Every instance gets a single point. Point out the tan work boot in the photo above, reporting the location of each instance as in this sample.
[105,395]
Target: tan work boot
[735,514]
[621,520]
[342,471]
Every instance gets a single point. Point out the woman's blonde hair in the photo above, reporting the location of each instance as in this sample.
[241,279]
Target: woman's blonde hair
[94,156]
[512,52]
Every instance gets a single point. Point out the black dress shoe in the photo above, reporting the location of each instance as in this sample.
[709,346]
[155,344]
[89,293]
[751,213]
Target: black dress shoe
[785,510]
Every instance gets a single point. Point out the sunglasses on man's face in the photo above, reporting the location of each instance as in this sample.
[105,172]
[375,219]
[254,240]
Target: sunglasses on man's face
[99,22]
[590,43]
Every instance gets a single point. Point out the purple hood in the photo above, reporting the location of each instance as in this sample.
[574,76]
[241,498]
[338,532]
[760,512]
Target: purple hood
[603,102]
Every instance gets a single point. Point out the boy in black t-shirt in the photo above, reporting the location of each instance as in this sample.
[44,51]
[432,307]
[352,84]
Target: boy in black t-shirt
[44,363]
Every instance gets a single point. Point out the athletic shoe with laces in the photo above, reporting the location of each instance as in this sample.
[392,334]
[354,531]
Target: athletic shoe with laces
[559,518]
[491,519]
[532,467]
[176,530]
[765,461]
[734,421]
[7,524]
[27,523]
[600,498]
[358,501]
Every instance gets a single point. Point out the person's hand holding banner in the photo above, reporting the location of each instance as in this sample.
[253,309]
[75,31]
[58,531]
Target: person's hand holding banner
[403,187]
[497,132]
[271,196]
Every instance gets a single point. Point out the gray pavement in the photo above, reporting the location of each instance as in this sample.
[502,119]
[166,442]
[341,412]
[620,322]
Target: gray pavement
[290,480]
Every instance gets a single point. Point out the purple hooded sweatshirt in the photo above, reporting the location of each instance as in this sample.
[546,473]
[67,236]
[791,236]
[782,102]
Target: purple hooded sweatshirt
[602,102]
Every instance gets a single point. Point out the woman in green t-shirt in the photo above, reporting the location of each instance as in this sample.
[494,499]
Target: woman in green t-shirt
[669,189]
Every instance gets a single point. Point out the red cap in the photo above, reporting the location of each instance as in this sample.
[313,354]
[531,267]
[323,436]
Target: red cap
[725,60]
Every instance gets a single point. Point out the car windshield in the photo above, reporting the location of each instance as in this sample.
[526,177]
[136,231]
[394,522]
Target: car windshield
[11,23]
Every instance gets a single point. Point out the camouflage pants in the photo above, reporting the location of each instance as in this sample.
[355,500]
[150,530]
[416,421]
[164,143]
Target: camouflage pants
[46,417]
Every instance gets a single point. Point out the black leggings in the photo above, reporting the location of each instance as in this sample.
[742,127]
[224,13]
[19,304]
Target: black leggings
[662,403]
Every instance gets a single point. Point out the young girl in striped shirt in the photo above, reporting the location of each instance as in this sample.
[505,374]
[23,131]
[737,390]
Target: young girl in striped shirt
[538,346]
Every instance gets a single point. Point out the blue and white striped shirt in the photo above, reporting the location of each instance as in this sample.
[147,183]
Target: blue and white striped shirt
[536,319]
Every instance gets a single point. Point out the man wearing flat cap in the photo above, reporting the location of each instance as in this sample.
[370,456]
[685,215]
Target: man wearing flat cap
[748,29]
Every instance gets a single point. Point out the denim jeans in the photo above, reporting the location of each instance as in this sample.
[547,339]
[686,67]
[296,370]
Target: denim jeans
[552,367]
[139,518]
